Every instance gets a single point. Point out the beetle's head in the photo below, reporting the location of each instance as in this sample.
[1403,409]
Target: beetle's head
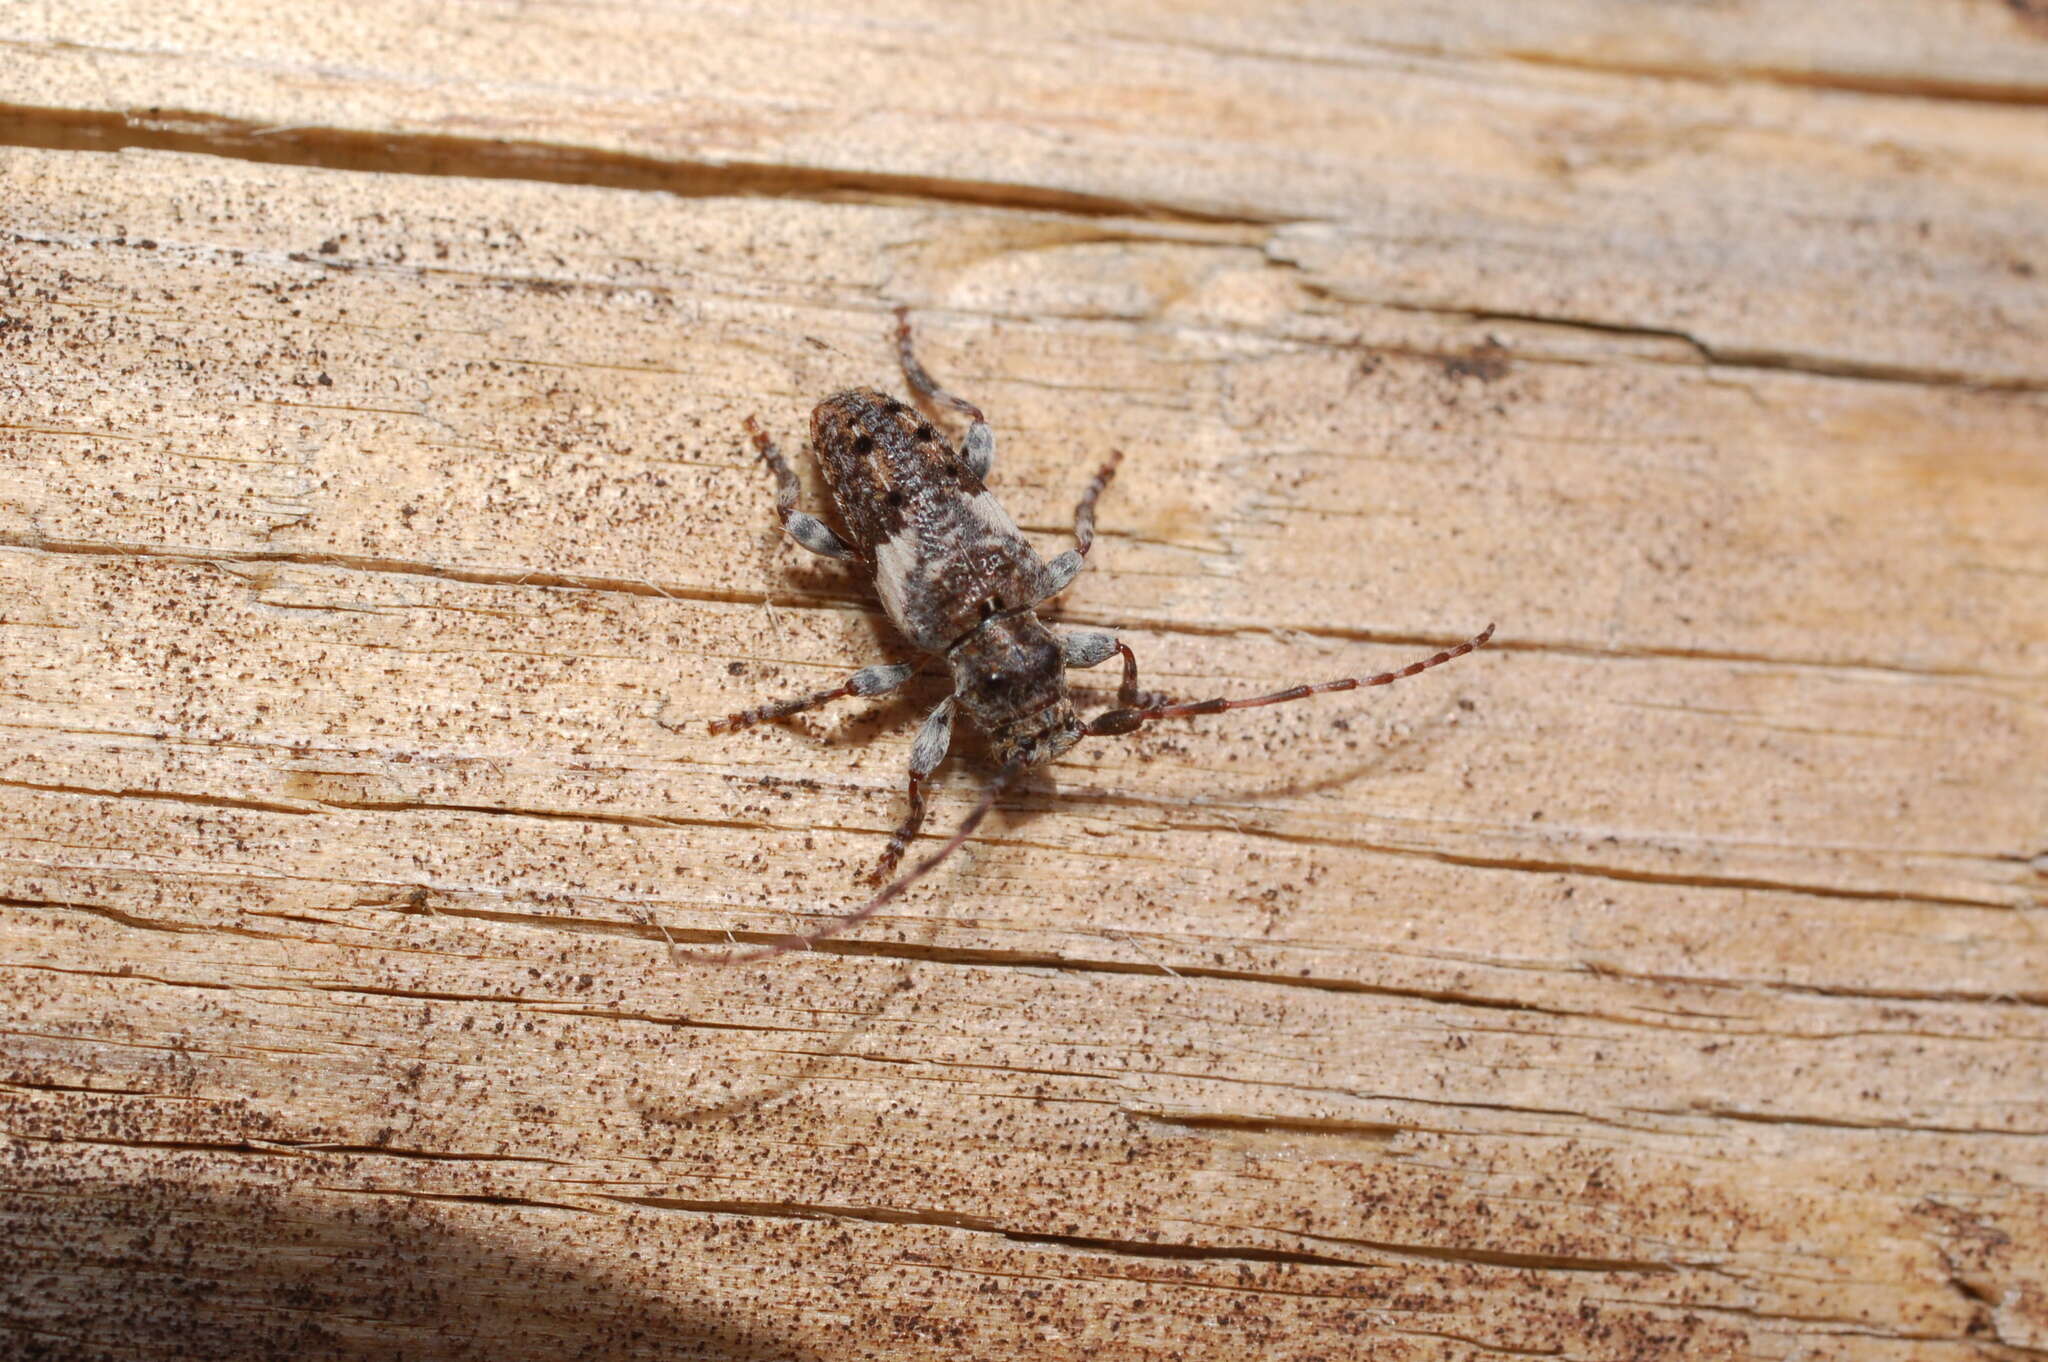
[1010,677]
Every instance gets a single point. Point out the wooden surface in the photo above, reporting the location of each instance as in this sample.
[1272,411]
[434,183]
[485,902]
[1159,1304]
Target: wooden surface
[376,537]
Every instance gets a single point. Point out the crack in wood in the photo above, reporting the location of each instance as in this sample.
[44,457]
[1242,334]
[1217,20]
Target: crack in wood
[851,602]
[1871,83]
[390,152]
[1152,1248]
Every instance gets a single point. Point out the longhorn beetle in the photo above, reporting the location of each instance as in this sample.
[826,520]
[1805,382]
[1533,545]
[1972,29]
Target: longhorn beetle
[958,580]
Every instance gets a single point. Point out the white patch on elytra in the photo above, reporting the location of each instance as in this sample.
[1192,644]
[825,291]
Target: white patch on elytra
[985,508]
[895,561]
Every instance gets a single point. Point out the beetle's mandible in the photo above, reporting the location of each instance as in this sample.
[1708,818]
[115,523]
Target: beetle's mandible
[963,586]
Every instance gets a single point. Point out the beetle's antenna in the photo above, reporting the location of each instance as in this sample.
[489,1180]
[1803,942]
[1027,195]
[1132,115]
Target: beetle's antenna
[920,378]
[889,891]
[1130,720]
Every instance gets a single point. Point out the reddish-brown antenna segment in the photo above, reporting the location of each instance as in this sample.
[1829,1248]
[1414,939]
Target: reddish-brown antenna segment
[1130,720]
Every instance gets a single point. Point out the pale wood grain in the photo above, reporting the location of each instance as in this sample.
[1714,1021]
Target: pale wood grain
[375,541]
[1419,157]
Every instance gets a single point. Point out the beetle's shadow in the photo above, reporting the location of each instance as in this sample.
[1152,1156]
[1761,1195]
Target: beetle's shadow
[684,1109]
[803,580]
[1396,748]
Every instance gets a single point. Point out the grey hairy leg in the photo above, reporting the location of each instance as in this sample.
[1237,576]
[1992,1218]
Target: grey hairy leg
[1087,649]
[1061,571]
[927,751]
[813,533]
[876,680]
[979,448]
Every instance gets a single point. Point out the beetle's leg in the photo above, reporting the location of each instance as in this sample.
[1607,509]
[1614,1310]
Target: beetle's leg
[1088,649]
[979,448]
[877,680]
[1061,571]
[813,533]
[926,752]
